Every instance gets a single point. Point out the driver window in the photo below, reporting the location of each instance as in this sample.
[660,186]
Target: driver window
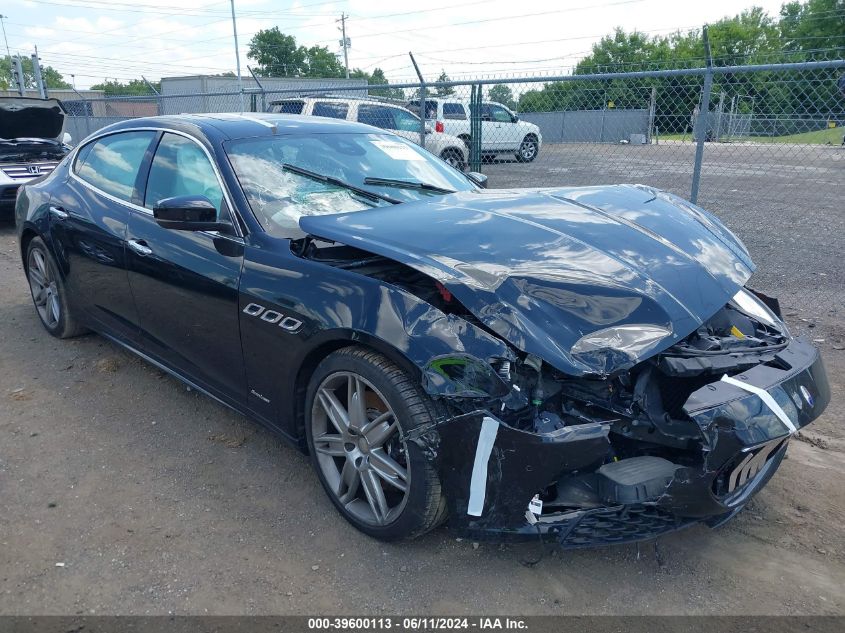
[500,115]
[181,168]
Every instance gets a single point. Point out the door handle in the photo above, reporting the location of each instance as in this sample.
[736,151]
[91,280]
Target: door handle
[59,213]
[140,247]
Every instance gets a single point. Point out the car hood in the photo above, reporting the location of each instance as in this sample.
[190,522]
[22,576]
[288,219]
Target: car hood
[23,118]
[544,267]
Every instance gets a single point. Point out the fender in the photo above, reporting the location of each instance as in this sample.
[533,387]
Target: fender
[335,307]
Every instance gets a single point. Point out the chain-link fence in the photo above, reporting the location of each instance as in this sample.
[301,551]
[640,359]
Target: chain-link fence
[762,146]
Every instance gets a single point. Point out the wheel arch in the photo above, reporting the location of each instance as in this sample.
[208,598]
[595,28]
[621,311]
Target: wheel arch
[333,341]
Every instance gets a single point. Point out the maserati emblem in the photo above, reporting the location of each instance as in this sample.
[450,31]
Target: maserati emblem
[35,170]
[807,395]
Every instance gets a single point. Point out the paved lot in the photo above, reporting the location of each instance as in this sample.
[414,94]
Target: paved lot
[158,500]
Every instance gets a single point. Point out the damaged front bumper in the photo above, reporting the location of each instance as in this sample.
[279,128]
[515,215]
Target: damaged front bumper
[491,471]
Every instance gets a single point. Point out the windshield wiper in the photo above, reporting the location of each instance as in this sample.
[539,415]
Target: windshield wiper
[339,183]
[406,184]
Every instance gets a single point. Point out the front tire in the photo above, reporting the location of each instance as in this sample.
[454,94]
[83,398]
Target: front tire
[359,408]
[528,149]
[49,294]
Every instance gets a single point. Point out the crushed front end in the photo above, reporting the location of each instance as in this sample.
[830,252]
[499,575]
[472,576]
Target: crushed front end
[687,435]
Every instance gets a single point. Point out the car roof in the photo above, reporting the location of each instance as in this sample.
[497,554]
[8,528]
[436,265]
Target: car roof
[399,103]
[228,126]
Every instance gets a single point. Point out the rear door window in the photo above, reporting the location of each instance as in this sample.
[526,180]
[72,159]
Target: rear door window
[330,109]
[376,115]
[454,111]
[290,107]
[111,164]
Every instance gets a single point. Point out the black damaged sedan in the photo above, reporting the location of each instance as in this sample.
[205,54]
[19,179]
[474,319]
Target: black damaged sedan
[583,364]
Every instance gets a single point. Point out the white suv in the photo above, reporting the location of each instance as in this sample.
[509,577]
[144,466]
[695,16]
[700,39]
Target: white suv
[501,130]
[384,115]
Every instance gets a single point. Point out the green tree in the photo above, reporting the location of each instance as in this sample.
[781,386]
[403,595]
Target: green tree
[321,62]
[277,54]
[52,77]
[112,87]
[443,91]
[815,28]
[503,94]
[377,78]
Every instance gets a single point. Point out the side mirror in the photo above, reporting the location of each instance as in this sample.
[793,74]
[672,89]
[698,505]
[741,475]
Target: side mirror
[429,128]
[188,213]
[478,178]
[515,118]
[67,139]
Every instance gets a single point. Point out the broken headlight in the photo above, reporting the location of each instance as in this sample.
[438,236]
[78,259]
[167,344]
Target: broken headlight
[631,340]
[747,303]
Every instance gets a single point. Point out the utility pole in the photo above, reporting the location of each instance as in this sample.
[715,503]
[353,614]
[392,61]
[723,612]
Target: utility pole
[5,39]
[237,55]
[344,42]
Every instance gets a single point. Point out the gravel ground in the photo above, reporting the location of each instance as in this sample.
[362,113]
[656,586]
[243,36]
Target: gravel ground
[123,492]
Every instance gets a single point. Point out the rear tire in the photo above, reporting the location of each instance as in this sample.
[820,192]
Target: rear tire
[383,485]
[48,291]
[454,157]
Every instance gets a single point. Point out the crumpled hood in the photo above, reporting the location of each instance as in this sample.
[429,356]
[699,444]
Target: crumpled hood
[22,117]
[544,267]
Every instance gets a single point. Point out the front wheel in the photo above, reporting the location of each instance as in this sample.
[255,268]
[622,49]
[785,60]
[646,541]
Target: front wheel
[360,408]
[528,150]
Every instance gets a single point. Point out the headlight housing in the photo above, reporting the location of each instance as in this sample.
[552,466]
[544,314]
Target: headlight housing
[751,305]
[632,340]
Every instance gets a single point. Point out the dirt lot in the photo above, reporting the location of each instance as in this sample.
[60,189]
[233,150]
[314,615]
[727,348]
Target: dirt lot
[155,499]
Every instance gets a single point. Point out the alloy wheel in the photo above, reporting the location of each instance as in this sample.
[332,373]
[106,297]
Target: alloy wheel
[359,449]
[45,291]
[528,149]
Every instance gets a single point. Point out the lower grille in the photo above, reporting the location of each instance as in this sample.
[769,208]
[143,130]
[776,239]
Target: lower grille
[606,526]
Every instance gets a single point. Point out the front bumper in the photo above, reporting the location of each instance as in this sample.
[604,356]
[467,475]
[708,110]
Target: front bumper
[490,471]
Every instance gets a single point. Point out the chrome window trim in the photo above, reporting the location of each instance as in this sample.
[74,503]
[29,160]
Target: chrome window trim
[134,207]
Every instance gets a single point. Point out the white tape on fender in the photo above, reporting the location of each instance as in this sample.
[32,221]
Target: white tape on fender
[766,397]
[478,482]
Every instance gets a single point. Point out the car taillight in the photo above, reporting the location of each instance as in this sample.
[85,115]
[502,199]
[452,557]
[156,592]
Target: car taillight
[438,127]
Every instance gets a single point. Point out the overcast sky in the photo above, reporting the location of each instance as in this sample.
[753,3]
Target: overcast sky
[97,39]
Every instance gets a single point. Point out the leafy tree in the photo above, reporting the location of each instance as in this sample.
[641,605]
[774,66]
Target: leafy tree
[131,88]
[750,37]
[277,54]
[503,94]
[443,91]
[52,77]
[377,78]
[814,28]
[321,62]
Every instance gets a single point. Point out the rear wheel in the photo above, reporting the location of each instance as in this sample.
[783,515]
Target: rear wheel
[454,157]
[48,292]
[528,150]
[360,408]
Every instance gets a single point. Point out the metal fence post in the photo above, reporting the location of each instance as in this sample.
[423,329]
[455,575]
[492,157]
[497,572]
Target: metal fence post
[702,121]
[475,127]
[423,104]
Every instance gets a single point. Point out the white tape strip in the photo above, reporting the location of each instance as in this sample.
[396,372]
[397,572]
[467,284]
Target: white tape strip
[766,397]
[478,482]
